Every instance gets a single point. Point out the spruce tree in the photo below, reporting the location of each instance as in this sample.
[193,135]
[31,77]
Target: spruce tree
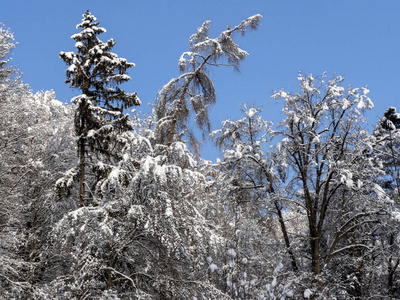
[97,72]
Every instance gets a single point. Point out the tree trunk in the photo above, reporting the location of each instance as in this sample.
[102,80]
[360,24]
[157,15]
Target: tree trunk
[314,232]
[315,256]
[286,237]
[392,266]
[81,173]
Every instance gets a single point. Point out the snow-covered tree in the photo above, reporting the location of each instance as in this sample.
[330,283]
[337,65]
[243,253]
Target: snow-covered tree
[97,72]
[37,147]
[326,153]
[193,92]
[148,238]
[12,266]
[388,132]
[318,179]
[261,228]
[308,208]
[34,130]
[247,173]
[10,76]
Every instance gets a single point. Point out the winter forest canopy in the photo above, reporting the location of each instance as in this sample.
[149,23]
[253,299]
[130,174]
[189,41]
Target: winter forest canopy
[99,201]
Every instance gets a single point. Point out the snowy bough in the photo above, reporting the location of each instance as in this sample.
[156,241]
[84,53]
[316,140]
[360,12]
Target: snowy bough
[149,235]
[193,93]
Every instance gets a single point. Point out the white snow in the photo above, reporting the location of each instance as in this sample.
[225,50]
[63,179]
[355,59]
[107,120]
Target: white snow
[213,267]
[252,112]
[278,268]
[345,104]
[147,164]
[274,283]
[68,55]
[159,171]
[71,68]
[336,91]
[380,193]
[231,253]
[168,210]
[307,294]
[79,45]
[114,174]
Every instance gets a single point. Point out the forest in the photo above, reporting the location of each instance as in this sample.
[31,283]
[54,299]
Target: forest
[100,201]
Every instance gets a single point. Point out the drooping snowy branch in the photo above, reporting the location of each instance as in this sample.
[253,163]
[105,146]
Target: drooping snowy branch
[193,92]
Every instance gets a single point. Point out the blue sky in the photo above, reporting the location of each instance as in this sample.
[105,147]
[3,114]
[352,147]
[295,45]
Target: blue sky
[358,39]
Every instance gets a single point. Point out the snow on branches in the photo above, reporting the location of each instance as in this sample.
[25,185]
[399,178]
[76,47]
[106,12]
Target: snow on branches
[99,117]
[193,92]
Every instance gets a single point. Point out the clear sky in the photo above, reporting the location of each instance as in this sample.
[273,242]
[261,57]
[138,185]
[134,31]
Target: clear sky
[358,39]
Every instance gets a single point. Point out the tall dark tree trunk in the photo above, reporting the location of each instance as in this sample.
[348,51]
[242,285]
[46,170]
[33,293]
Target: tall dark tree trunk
[286,237]
[82,173]
[392,266]
[315,256]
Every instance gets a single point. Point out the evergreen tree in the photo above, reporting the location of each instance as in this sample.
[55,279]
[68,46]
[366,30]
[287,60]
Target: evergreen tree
[97,72]
[388,131]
